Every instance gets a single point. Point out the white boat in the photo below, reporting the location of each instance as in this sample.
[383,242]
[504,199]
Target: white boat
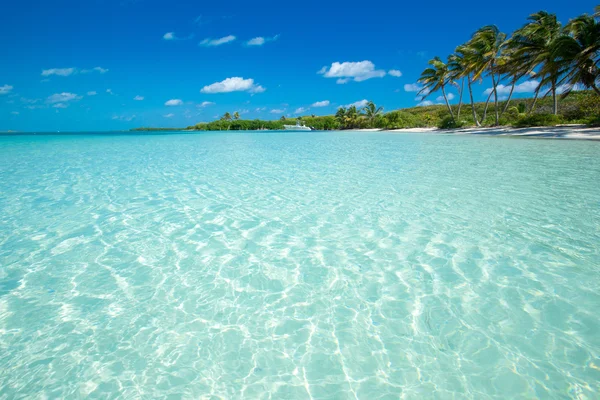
[297,127]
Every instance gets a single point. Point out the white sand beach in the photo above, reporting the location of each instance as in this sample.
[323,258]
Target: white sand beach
[580,132]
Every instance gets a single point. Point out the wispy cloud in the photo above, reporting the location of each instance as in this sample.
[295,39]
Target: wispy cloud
[14,112]
[450,97]
[92,93]
[300,110]
[72,71]
[174,102]
[6,89]
[217,42]
[95,69]
[138,98]
[62,98]
[260,40]
[395,72]
[205,104]
[172,36]
[412,87]
[171,115]
[277,111]
[323,103]
[356,71]
[109,91]
[525,87]
[126,118]
[60,105]
[59,71]
[425,103]
[358,104]
[234,84]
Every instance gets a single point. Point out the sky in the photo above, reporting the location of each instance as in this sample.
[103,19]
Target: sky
[98,65]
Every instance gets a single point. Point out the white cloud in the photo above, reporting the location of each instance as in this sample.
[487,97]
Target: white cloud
[425,103]
[138,98]
[342,81]
[171,115]
[323,103]
[260,40]
[259,109]
[205,104]
[525,87]
[127,118]
[358,104]
[395,72]
[95,69]
[5,89]
[72,71]
[217,42]
[277,111]
[235,84]
[357,71]
[169,36]
[174,102]
[60,105]
[59,71]
[441,98]
[92,93]
[300,110]
[109,91]
[62,98]
[412,87]
[14,112]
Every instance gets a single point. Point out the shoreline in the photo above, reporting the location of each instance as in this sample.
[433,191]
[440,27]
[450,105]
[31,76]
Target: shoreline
[573,132]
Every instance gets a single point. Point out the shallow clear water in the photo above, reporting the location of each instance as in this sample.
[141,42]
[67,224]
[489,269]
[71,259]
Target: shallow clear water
[298,265]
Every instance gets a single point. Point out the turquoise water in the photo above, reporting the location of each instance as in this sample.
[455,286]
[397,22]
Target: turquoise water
[299,265]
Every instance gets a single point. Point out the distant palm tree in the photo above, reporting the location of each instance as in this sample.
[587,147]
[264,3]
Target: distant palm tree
[236,115]
[352,117]
[372,112]
[532,47]
[435,78]
[282,119]
[226,117]
[340,115]
[578,52]
[461,65]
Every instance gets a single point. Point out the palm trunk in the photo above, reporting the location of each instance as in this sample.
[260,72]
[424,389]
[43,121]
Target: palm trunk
[509,97]
[462,89]
[495,96]
[472,102]
[554,97]
[535,99]
[596,89]
[487,103]
[448,104]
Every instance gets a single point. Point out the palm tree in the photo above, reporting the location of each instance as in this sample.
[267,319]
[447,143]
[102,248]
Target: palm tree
[372,112]
[236,115]
[226,117]
[462,64]
[532,47]
[352,117]
[435,78]
[340,115]
[578,52]
[487,44]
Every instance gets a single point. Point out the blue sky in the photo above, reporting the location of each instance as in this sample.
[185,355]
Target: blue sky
[112,65]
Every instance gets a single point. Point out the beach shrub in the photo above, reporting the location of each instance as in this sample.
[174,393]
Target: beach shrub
[449,123]
[538,120]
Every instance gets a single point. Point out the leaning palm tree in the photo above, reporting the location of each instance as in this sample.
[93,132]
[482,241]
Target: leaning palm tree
[578,53]
[226,117]
[435,78]
[488,43]
[532,47]
[372,112]
[462,64]
[236,115]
